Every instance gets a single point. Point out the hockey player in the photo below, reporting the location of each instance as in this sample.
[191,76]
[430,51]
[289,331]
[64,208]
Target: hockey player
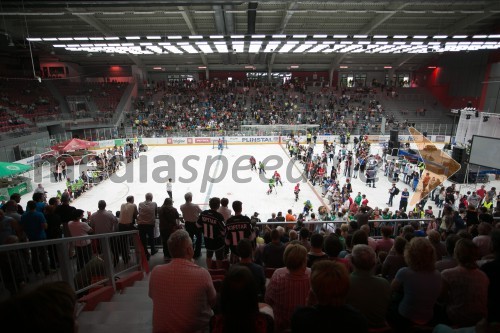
[296,191]
[272,185]
[261,168]
[221,144]
[277,178]
[253,163]
[307,207]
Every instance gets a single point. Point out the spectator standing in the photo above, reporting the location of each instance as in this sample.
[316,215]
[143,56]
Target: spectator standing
[128,215]
[169,188]
[224,210]
[146,219]
[182,292]
[104,222]
[34,225]
[169,217]
[238,227]
[83,247]
[212,223]
[65,212]
[190,214]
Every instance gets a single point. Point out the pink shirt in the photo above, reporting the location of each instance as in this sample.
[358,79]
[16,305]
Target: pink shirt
[286,292]
[182,294]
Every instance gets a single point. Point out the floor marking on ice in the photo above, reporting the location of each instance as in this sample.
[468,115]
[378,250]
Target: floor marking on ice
[320,198]
[210,187]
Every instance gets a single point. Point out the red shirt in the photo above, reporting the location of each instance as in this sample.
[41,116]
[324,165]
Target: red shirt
[364,202]
[481,192]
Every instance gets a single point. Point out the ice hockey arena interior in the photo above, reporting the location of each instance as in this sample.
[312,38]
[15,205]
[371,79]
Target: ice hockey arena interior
[252,167]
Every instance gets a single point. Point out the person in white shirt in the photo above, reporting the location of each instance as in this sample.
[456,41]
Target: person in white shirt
[169,188]
[148,211]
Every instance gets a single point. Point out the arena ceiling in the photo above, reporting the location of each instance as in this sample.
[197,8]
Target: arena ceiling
[264,35]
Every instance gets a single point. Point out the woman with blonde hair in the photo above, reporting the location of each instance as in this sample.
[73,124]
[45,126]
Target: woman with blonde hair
[420,284]
[289,286]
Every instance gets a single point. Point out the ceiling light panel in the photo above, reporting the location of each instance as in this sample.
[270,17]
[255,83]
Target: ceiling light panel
[221,47]
[205,48]
[254,47]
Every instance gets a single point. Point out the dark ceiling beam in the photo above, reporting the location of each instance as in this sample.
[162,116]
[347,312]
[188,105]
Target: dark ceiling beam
[281,29]
[220,27]
[252,17]
[189,22]
[457,27]
[229,25]
[106,31]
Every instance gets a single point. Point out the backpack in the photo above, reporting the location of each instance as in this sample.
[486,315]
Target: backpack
[396,191]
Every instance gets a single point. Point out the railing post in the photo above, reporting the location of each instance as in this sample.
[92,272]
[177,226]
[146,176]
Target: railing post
[107,255]
[65,264]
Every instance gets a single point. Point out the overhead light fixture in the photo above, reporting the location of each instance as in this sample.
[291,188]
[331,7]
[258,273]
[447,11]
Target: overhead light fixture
[460,36]
[109,38]
[400,36]
[153,37]
[157,68]
[420,36]
[440,36]
[195,37]
[387,67]
[339,36]
[380,36]
[431,67]
[216,36]
[360,36]
[174,37]
[249,67]
[294,66]
[202,67]
[258,36]
[131,37]
[238,36]
[343,67]
[299,36]
[319,36]
[279,36]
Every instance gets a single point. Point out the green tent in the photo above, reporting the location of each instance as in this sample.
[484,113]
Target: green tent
[11,169]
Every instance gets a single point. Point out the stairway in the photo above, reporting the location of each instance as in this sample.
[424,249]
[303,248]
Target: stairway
[63,104]
[130,311]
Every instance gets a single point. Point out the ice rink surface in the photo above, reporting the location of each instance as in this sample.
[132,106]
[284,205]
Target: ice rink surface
[193,167]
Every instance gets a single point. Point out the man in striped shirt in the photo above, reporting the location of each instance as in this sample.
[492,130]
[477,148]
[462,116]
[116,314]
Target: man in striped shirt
[212,224]
[238,227]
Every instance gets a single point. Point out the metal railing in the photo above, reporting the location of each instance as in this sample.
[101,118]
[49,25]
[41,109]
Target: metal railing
[84,262]
[397,224]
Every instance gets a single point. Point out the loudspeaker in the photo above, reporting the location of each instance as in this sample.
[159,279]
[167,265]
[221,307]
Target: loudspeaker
[459,154]
[394,135]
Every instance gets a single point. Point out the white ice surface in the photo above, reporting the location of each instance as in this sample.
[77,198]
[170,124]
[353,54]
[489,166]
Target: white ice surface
[253,194]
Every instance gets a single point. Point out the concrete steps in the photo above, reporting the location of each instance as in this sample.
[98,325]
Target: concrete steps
[130,311]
